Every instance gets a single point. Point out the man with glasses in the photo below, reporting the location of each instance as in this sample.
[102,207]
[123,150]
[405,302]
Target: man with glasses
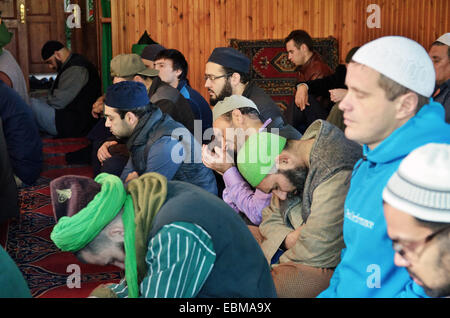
[228,73]
[417,211]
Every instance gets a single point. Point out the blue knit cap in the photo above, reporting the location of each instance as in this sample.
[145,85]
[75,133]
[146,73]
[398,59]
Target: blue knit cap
[127,95]
[230,58]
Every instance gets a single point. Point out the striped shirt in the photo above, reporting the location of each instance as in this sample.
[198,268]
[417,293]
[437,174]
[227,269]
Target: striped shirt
[179,258]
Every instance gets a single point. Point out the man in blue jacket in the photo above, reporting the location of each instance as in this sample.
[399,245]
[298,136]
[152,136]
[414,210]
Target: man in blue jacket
[389,111]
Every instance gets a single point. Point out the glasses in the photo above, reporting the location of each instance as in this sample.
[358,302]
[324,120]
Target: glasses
[407,250]
[214,77]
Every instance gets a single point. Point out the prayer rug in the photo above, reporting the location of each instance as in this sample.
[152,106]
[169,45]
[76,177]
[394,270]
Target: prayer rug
[49,272]
[271,68]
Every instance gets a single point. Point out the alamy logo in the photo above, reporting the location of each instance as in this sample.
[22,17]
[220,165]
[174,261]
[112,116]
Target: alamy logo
[374,279]
[373,20]
[74,20]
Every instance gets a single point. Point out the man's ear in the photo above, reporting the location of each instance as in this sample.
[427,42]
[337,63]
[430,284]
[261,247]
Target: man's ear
[235,79]
[237,117]
[58,55]
[131,118]
[284,161]
[116,233]
[407,106]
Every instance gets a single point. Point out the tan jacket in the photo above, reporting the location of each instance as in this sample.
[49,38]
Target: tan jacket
[321,240]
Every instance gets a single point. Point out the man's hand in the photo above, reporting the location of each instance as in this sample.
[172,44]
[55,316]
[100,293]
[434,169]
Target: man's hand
[97,108]
[219,160]
[338,94]
[292,238]
[103,153]
[131,176]
[301,97]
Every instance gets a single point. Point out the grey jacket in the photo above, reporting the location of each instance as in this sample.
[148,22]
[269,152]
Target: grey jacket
[319,210]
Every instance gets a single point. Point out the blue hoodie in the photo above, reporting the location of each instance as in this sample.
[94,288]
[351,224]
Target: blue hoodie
[367,266]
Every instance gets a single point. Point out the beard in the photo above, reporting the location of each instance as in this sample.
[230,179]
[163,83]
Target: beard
[226,91]
[438,291]
[59,65]
[297,177]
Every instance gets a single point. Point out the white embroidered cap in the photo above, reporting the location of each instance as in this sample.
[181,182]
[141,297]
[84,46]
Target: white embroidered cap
[402,60]
[444,39]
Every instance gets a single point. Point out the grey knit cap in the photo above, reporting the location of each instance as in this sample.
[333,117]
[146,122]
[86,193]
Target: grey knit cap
[421,185]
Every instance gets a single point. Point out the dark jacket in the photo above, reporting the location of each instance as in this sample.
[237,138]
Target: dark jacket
[313,69]
[171,102]
[75,120]
[199,106]
[21,134]
[321,86]
[152,127]
[8,195]
[266,106]
[240,269]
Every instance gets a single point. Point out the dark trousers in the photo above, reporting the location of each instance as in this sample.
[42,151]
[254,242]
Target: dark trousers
[301,119]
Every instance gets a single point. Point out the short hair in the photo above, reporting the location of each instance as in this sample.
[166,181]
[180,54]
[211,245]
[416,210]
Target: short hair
[99,242]
[300,37]
[437,43]
[139,112]
[394,90]
[350,54]
[253,113]
[178,60]
[245,77]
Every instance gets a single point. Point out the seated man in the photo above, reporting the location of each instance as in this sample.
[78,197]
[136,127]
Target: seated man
[310,66]
[10,72]
[330,87]
[142,229]
[24,145]
[389,112]
[156,142]
[417,211]
[440,55]
[173,69]
[308,179]
[129,67]
[227,73]
[66,112]
[235,118]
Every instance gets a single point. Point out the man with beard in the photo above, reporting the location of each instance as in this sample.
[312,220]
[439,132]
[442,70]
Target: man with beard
[156,142]
[234,119]
[66,111]
[417,211]
[309,179]
[227,73]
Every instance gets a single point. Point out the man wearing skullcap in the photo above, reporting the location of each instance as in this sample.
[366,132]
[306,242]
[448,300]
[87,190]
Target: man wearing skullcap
[440,55]
[155,141]
[308,179]
[66,111]
[388,110]
[417,211]
[165,234]
[227,73]
[149,54]
[235,118]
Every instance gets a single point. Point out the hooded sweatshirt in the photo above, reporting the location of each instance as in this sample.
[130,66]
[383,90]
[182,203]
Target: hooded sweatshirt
[367,266]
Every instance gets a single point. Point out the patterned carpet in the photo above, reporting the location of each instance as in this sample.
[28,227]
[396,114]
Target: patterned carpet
[271,68]
[45,268]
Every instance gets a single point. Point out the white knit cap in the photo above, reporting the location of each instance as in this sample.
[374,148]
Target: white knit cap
[444,39]
[421,185]
[400,59]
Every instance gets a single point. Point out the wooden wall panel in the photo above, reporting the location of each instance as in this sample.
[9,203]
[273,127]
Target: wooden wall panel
[196,27]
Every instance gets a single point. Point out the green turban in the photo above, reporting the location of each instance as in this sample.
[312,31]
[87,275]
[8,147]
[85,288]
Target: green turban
[256,158]
[73,233]
[5,36]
